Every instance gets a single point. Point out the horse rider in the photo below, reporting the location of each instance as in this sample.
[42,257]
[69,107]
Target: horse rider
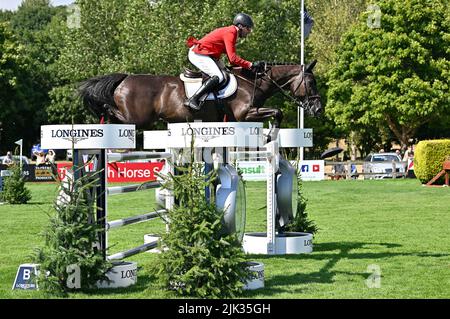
[206,52]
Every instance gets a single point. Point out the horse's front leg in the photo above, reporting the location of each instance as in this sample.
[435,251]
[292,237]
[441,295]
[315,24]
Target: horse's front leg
[263,113]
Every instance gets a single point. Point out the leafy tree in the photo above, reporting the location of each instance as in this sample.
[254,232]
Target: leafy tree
[90,48]
[32,25]
[12,96]
[394,76]
[31,16]
[5,15]
[331,20]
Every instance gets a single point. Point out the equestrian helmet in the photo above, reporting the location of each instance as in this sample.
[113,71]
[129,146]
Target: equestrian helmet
[243,19]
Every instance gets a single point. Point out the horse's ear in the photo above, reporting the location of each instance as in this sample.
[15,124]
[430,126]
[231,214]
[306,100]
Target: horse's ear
[310,66]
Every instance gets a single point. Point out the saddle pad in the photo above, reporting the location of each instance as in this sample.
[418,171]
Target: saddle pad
[192,85]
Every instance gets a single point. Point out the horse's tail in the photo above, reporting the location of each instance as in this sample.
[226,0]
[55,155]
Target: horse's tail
[98,94]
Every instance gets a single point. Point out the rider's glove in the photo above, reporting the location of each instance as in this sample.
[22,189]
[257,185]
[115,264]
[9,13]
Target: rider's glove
[258,66]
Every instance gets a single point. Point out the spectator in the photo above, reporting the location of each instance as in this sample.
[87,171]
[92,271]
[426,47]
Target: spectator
[8,160]
[50,157]
[338,171]
[40,158]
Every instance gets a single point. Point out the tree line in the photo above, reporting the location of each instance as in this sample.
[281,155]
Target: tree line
[382,69]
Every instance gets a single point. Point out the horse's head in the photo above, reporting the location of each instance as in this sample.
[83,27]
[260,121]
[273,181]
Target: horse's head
[303,87]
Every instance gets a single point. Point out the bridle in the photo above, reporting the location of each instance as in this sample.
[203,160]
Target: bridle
[305,103]
[306,100]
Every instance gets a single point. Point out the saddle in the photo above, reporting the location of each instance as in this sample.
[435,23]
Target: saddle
[193,81]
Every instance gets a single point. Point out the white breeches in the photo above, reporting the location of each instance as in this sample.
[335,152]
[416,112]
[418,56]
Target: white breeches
[205,63]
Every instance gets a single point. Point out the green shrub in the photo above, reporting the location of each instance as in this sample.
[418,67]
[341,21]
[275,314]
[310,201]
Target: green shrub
[428,158]
[14,190]
[71,241]
[301,222]
[201,261]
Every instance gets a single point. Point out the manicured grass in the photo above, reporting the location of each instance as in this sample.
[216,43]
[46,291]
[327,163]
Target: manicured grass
[397,226]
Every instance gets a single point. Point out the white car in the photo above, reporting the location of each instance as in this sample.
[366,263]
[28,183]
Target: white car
[381,165]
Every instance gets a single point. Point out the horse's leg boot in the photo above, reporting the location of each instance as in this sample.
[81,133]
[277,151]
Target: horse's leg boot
[208,86]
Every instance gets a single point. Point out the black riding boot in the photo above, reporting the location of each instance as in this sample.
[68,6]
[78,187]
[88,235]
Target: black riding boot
[207,87]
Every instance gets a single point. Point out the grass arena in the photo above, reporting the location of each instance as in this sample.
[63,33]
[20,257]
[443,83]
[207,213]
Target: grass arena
[377,239]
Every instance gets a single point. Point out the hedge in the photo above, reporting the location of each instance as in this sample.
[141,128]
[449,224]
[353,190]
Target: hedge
[428,158]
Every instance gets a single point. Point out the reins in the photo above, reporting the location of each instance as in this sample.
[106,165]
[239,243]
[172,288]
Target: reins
[280,88]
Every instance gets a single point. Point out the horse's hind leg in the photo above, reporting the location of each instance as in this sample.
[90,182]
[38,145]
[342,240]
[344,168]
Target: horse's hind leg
[263,113]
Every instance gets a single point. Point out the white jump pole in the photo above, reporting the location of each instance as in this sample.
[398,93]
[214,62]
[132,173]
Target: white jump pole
[20,142]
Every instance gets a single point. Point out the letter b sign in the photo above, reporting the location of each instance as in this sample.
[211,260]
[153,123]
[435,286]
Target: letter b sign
[26,277]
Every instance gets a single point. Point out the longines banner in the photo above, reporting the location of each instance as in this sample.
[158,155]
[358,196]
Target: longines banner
[88,136]
[204,134]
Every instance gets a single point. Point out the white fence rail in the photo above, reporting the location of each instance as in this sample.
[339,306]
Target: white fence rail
[357,169]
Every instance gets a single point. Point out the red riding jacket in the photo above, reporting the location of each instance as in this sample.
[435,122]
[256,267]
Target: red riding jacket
[218,42]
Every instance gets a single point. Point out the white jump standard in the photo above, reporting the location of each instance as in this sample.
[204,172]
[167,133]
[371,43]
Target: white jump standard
[92,141]
[281,177]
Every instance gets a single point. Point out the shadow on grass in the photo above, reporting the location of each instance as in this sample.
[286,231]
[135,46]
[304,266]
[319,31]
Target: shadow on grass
[332,253]
[144,282]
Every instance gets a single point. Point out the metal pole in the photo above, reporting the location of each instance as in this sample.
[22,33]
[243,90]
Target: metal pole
[302,117]
[20,160]
[300,110]
[302,34]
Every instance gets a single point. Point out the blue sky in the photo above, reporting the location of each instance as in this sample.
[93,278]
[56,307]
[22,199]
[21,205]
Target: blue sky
[13,4]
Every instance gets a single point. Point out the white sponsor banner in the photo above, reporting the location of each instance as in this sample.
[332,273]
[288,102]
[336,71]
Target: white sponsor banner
[311,170]
[253,170]
[88,136]
[293,137]
[214,134]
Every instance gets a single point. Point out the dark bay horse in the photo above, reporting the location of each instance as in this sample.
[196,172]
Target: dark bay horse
[144,99]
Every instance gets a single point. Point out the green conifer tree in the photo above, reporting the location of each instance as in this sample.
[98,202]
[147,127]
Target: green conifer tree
[70,258]
[15,191]
[201,261]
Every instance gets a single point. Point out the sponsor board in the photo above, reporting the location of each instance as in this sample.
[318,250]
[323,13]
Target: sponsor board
[88,136]
[123,172]
[133,172]
[253,170]
[311,170]
[206,134]
[35,173]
